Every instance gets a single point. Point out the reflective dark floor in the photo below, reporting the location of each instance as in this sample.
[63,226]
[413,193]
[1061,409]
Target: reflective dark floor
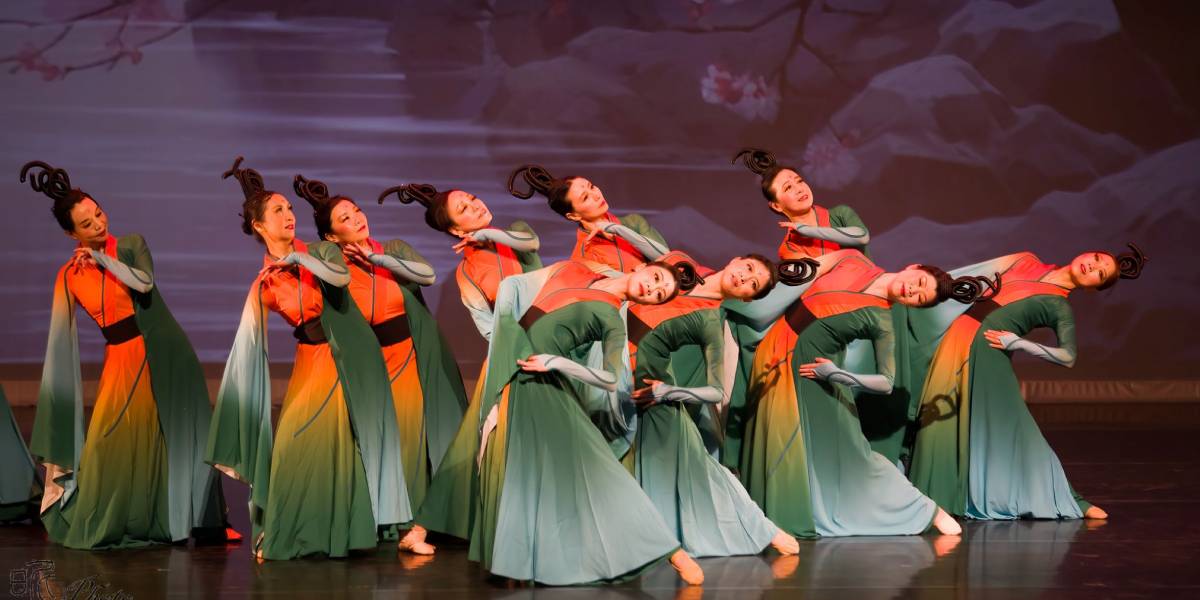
[1147,479]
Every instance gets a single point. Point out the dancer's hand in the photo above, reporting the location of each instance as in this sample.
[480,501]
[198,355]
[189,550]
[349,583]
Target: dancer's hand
[999,339]
[357,254]
[814,370]
[82,259]
[645,396]
[533,364]
[791,225]
[467,239]
[595,228]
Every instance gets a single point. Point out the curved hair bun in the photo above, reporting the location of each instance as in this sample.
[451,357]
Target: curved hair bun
[1129,264]
[536,177]
[312,190]
[797,271]
[689,278]
[970,289]
[759,161]
[421,193]
[54,183]
[251,182]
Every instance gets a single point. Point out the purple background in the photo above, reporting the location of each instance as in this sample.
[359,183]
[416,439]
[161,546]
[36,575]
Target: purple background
[958,130]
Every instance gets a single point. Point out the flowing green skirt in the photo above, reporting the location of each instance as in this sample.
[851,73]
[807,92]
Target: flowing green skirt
[706,505]
[453,494]
[318,501]
[20,488]
[556,506]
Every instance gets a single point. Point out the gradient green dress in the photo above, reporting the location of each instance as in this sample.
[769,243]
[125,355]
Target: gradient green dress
[748,332]
[556,506]
[703,501]
[138,476]
[20,486]
[805,460]
[979,453]
[331,470]
[453,493]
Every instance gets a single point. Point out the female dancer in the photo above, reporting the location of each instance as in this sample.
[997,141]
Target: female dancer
[979,452]
[489,255]
[555,505]
[805,460]
[426,386]
[709,508]
[20,486]
[333,470]
[620,243]
[138,477]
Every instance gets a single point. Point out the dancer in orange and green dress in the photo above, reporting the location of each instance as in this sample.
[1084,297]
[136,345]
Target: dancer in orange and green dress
[488,256]
[705,503]
[621,243]
[331,469]
[426,386]
[805,460]
[556,506]
[138,476]
[979,451]
[812,231]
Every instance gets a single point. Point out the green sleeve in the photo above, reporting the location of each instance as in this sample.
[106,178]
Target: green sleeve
[883,338]
[402,250]
[1062,318]
[530,261]
[138,253]
[639,224]
[844,216]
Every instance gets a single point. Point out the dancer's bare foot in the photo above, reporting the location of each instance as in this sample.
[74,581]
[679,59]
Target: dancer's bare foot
[689,571]
[945,544]
[414,541]
[1095,512]
[784,566]
[784,543]
[946,524]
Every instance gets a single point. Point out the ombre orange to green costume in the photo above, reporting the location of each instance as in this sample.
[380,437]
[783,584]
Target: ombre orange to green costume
[805,460]
[978,452]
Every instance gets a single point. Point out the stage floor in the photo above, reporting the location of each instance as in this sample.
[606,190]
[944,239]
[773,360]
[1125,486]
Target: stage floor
[1147,479]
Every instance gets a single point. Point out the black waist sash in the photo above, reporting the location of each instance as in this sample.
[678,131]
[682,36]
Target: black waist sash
[798,317]
[392,331]
[310,332]
[120,332]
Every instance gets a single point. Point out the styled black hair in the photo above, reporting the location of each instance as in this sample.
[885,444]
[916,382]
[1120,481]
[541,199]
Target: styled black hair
[1129,266]
[683,272]
[762,163]
[316,193]
[797,271]
[966,289]
[539,180]
[437,204]
[255,194]
[56,185]
[771,271]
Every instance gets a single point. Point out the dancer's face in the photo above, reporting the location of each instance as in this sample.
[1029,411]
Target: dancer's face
[742,278]
[278,222]
[467,212]
[650,284]
[793,197]
[91,222]
[348,224]
[587,201]
[912,287]
[1091,270]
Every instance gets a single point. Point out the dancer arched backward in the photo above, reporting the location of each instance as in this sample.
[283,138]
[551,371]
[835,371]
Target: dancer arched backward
[805,460]
[138,477]
[621,243]
[427,389]
[811,231]
[489,256]
[705,503]
[979,452]
[20,485]
[332,470]
[555,505]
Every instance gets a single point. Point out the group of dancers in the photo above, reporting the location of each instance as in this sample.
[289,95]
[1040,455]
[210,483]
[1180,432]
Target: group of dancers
[634,406]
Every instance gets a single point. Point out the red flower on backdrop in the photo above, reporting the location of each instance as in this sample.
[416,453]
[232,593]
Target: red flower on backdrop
[746,94]
[829,161]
